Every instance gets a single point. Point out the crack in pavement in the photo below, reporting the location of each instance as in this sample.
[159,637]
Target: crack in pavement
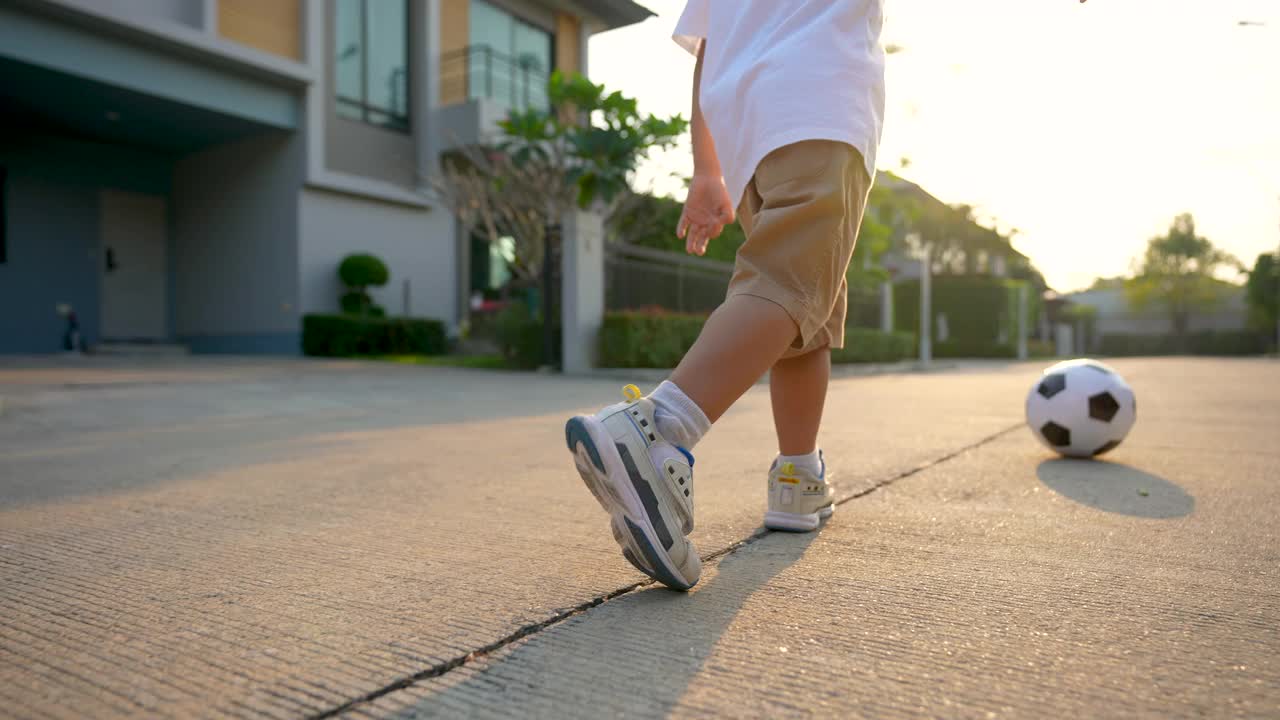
[454,663]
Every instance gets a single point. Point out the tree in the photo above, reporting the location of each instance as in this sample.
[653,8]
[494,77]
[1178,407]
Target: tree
[1108,283]
[1177,272]
[650,221]
[1263,292]
[580,151]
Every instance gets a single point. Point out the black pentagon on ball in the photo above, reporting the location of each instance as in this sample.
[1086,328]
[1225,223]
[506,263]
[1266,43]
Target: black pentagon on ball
[1103,407]
[1106,448]
[1052,385]
[1057,435]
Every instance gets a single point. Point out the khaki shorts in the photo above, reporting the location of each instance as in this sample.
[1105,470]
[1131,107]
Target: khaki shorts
[801,213]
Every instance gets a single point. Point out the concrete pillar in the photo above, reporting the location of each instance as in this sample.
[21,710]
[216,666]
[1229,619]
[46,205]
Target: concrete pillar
[886,307]
[1023,292]
[581,289]
[1065,339]
[926,305]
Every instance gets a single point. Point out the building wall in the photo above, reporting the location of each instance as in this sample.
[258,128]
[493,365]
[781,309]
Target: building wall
[44,42]
[1115,315]
[417,246]
[568,43]
[235,250]
[54,253]
[273,26]
[455,35]
[184,12]
[362,149]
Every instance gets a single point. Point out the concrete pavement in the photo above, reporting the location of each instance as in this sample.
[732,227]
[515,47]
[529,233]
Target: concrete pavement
[288,538]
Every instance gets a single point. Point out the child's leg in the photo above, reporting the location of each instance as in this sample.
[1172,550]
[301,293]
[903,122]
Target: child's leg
[798,389]
[741,340]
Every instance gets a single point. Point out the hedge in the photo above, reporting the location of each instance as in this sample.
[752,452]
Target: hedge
[520,337]
[655,339]
[352,335]
[647,339]
[873,346]
[1205,342]
[980,310]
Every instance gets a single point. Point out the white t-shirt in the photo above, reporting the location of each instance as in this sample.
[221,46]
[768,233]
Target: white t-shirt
[776,72]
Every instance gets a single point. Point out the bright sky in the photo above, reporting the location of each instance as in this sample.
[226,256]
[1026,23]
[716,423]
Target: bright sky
[1086,127]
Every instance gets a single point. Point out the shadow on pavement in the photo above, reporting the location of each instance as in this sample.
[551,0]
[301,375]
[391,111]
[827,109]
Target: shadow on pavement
[633,656]
[1116,488]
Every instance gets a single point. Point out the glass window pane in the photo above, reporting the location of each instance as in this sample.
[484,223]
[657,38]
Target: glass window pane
[533,64]
[532,48]
[388,73]
[490,39]
[490,27]
[349,49]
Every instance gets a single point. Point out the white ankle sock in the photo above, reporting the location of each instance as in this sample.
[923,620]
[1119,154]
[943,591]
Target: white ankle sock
[811,462]
[679,419]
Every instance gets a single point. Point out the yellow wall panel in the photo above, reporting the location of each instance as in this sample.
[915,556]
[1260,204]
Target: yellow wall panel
[273,26]
[567,43]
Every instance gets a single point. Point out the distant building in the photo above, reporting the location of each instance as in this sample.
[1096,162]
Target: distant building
[192,171]
[1115,316]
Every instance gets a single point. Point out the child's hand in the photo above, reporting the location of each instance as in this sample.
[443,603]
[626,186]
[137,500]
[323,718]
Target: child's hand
[706,211]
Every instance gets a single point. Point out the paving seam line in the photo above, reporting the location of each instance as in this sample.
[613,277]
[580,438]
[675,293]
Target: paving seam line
[450,665]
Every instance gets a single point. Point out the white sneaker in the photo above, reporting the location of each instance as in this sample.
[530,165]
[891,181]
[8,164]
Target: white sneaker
[645,484]
[798,500]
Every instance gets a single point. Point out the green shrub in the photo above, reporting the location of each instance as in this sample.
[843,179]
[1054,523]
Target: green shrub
[359,273]
[647,338]
[1230,342]
[1205,342]
[862,345]
[1041,349]
[659,339]
[363,270]
[353,335]
[973,349]
[519,334]
[980,311]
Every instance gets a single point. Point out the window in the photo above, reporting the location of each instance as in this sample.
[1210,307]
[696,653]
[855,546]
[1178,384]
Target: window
[510,60]
[371,68]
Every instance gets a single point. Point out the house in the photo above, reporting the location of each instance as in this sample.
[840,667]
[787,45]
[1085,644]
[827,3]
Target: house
[193,171]
[1116,316]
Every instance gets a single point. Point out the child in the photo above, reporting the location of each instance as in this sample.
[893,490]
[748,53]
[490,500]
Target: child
[788,102]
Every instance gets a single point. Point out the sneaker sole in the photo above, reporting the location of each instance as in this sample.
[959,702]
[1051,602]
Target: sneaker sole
[610,481]
[797,522]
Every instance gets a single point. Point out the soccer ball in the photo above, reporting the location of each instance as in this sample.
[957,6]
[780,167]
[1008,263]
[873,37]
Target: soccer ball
[1081,408]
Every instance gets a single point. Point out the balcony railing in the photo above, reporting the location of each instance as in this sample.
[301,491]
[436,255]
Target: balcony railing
[478,71]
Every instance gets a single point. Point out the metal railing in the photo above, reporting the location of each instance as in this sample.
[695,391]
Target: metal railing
[479,71]
[639,277]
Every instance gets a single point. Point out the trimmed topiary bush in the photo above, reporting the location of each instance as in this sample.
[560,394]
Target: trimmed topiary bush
[360,272]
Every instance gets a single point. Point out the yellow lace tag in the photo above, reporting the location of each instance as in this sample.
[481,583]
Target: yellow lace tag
[631,393]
